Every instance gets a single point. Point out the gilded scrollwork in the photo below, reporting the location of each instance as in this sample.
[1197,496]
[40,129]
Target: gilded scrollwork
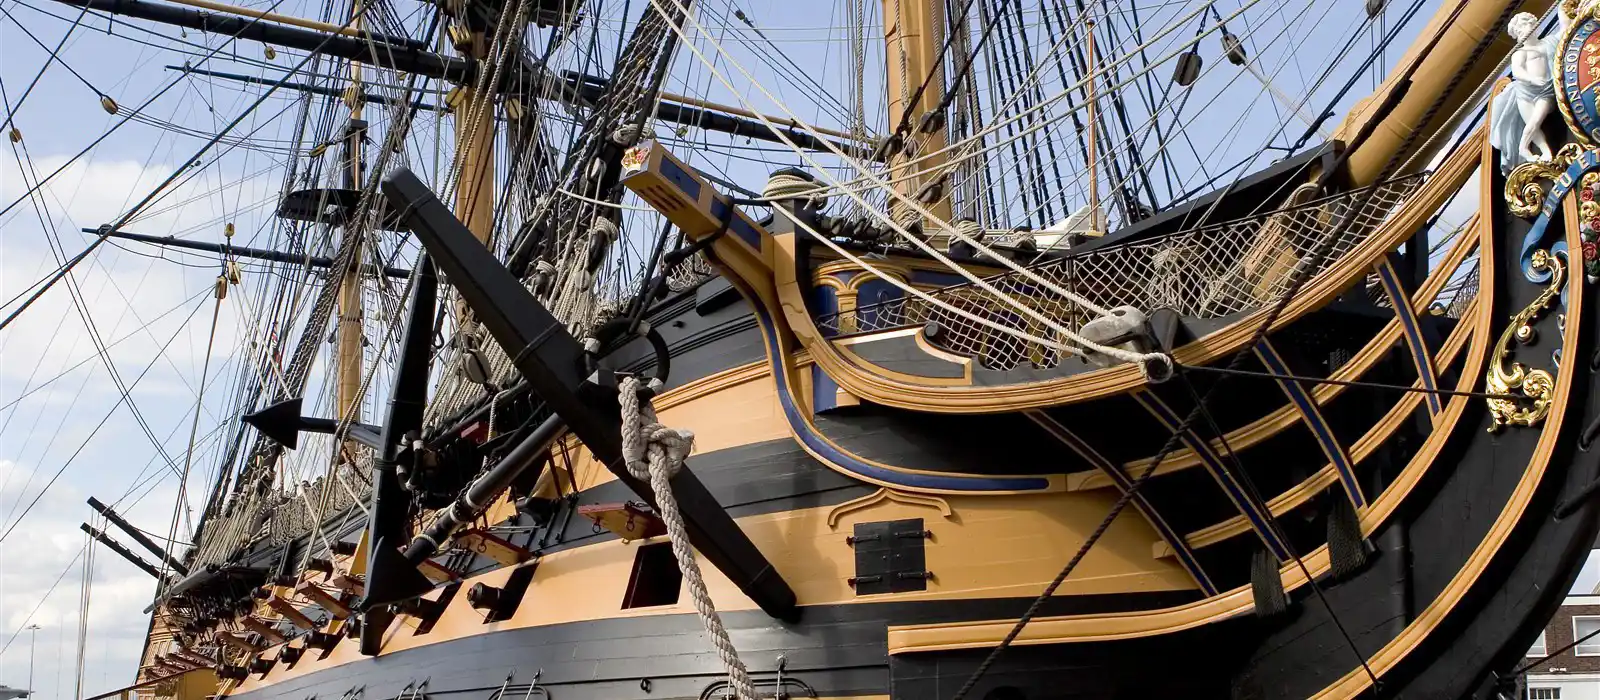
[1536,385]
[1525,186]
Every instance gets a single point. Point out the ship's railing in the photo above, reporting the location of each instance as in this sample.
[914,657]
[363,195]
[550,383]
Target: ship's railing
[1207,272]
[692,271]
[1459,294]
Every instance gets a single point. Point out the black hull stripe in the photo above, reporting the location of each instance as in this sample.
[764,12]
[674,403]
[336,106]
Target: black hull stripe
[837,650]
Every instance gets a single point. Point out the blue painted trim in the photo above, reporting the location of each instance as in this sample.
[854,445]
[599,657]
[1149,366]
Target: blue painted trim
[738,225]
[1421,356]
[1313,417]
[824,392]
[741,227]
[1259,521]
[812,440]
[1580,99]
[687,184]
[1180,546]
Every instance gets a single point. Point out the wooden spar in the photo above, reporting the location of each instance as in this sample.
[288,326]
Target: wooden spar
[474,123]
[350,331]
[1458,27]
[912,34]
[311,261]
[416,58]
[474,133]
[790,122]
[352,31]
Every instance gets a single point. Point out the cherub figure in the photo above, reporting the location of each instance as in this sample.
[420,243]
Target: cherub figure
[1520,110]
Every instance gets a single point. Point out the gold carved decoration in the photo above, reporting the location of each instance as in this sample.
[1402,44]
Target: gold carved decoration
[888,494]
[1525,185]
[1535,384]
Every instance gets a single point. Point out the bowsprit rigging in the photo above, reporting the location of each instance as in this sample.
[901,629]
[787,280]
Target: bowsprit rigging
[921,323]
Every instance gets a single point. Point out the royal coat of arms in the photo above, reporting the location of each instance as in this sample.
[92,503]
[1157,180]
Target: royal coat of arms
[1580,75]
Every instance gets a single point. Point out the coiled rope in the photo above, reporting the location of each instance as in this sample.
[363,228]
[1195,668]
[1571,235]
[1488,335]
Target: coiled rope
[654,453]
[970,229]
[788,185]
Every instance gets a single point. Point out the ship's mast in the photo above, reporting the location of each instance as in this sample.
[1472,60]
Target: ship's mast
[474,135]
[913,33]
[350,312]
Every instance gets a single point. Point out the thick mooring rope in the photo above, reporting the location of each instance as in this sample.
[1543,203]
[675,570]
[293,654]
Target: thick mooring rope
[654,453]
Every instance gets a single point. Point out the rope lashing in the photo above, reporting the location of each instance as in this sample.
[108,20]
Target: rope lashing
[655,453]
[604,229]
[790,184]
[626,135]
[970,228]
[908,219]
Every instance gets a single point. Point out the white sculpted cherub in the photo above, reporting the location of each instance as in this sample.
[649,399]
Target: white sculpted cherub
[1520,110]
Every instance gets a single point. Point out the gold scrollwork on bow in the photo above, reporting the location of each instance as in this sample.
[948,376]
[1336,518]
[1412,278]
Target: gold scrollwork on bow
[1525,185]
[1535,384]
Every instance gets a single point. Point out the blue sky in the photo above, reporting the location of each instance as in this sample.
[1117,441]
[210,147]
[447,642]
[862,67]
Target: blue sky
[139,303]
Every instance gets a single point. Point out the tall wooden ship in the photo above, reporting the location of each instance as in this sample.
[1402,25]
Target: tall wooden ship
[870,428]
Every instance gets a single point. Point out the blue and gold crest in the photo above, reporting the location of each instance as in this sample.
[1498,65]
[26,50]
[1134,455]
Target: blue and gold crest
[1580,76]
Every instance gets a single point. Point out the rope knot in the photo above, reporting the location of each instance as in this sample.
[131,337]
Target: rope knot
[668,445]
[655,453]
[604,229]
[969,228]
[654,446]
[647,445]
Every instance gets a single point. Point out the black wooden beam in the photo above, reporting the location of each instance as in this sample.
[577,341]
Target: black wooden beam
[368,97]
[389,52]
[390,578]
[138,536]
[117,547]
[407,55]
[552,362]
[591,89]
[240,251]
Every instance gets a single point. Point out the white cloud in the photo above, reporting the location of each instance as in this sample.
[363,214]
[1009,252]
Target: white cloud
[41,577]
[123,290]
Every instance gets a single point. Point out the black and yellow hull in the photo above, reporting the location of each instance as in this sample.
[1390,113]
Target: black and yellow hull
[1467,555]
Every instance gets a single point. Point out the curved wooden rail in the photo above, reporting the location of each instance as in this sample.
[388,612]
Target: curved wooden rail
[1363,447]
[1238,601]
[1356,681]
[869,383]
[1285,416]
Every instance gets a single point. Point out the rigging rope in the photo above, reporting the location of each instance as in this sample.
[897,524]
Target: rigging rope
[654,454]
[107,230]
[1300,276]
[1145,361]
[221,292]
[85,591]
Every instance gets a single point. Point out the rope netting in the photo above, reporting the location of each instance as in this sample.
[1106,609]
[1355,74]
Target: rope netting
[1207,272]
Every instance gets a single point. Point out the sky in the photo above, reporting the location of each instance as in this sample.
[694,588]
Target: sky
[153,314]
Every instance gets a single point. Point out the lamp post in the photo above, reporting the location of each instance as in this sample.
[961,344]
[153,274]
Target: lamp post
[33,639]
